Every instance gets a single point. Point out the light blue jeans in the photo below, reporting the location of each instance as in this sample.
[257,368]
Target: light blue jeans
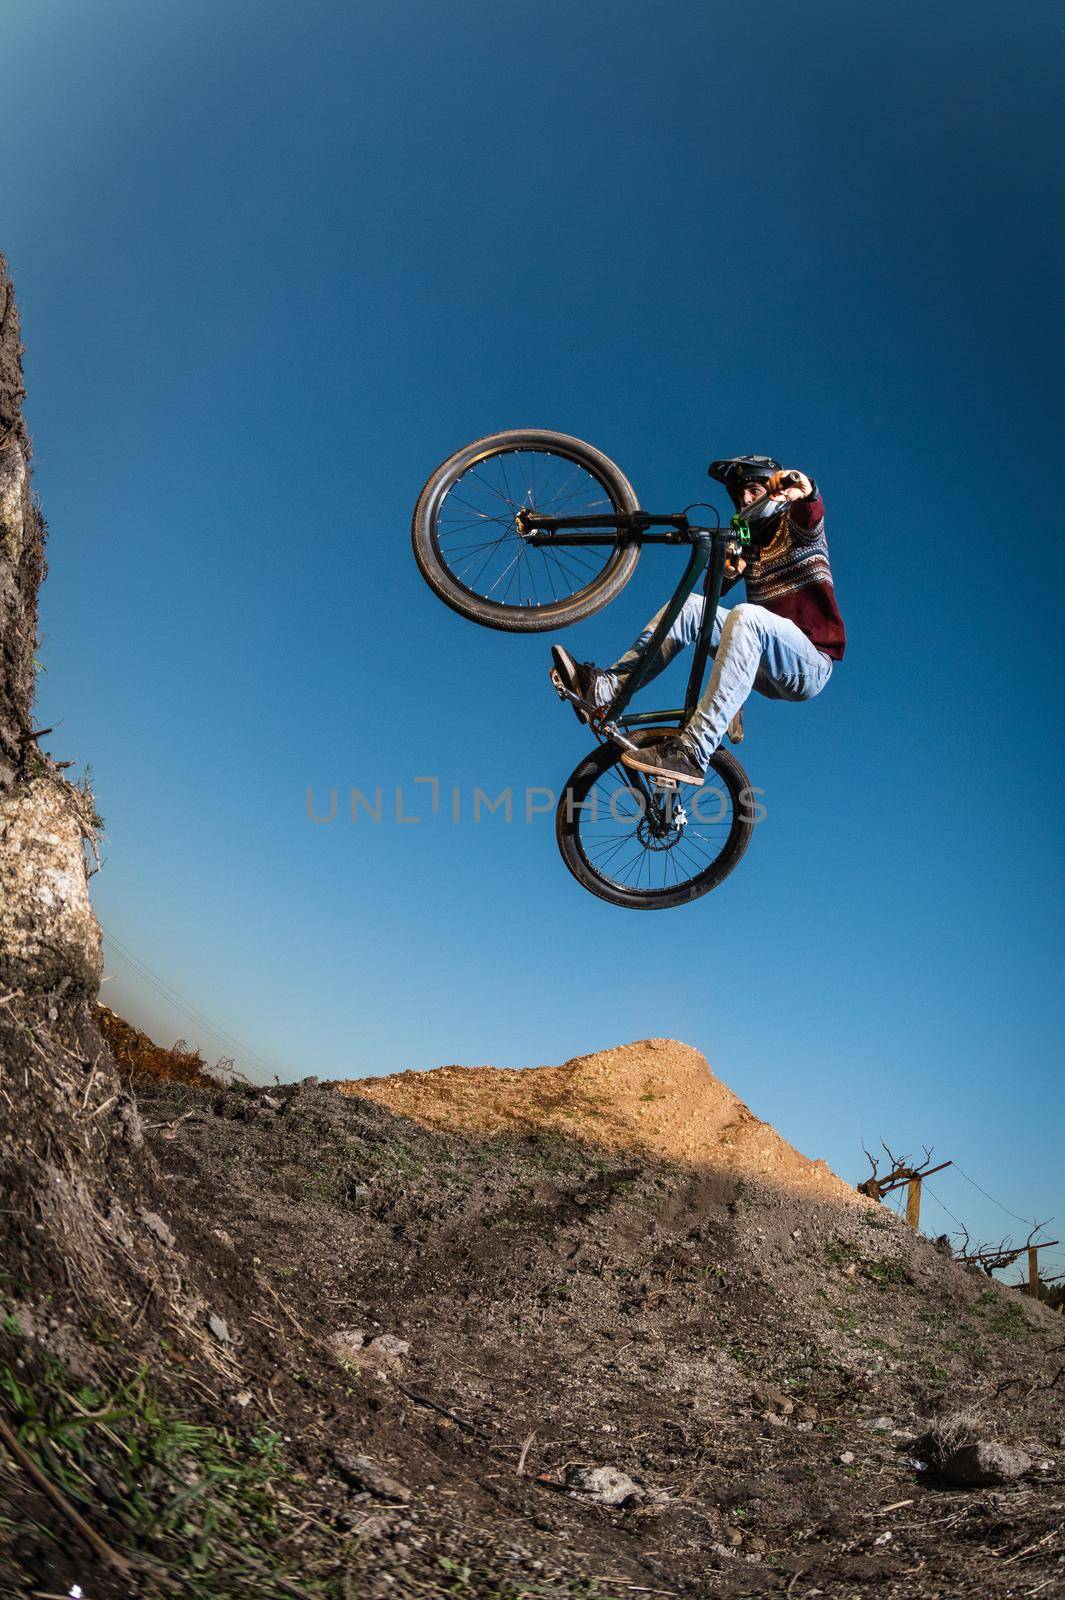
[753,649]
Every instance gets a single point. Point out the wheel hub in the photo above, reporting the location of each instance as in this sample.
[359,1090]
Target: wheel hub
[661,827]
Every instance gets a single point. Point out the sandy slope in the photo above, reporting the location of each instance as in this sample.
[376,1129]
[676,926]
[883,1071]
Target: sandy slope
[655,1095]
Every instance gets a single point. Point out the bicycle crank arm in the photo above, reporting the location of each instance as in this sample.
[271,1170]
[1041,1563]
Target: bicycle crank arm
[568,694]
[613,732]
[606,730]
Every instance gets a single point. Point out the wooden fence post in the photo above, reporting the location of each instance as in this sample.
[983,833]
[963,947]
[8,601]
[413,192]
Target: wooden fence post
[913,1203]
[1033,1271]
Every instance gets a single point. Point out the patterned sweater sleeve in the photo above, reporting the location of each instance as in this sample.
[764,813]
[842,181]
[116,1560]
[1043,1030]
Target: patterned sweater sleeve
[807,518]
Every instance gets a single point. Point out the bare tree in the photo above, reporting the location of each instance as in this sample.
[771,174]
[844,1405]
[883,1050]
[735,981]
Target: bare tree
[992,1258]
[902,1172]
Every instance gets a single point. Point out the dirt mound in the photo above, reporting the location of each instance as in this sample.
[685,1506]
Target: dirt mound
[525,1294]
[656,1096]
[571,1333]
[138,1057]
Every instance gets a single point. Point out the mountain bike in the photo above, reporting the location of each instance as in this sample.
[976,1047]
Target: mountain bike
[530,530]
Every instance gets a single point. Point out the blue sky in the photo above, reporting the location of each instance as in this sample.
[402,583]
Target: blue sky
[275,263]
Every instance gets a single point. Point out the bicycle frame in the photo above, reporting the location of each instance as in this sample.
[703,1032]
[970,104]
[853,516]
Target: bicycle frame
[709,548]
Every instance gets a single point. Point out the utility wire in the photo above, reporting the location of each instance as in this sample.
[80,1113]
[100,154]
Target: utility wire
[187,1009]
[929,1190]
[202,1030]
[201,1023]
[1028,1222]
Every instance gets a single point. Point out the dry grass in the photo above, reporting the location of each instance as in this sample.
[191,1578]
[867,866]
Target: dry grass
[138,1057]
[951,1431]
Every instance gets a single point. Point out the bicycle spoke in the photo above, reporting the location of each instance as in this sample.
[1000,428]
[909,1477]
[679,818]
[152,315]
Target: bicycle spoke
[646,851]
[507,522]
[487,497]
[507,501]
[504,572]
[506,482]
[547,569]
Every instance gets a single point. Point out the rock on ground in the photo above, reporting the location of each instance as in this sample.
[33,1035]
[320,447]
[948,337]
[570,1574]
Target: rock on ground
[987,1462]
[605,1484]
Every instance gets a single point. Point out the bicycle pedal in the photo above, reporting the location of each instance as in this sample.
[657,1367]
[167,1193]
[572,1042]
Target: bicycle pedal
[668,785]
[560,687]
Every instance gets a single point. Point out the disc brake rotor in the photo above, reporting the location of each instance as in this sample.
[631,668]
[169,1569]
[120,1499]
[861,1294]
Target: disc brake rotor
[660,829]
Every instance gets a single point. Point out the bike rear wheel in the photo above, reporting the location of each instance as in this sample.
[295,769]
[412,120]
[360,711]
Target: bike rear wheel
[469,549]
[628,843]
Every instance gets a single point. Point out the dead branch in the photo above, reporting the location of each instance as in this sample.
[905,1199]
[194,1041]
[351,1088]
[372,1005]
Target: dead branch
[60,1501]
[902,1172]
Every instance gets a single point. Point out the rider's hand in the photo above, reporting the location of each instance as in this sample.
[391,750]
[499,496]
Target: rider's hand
[734,567]
[794,491]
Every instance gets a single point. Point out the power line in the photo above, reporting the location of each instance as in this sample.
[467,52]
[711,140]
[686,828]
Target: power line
[186,1008]
[1028,1222]
[928,1190]
[201,1023]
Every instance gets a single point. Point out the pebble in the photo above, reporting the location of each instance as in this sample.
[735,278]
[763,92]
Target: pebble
[364,1473]
[605,1484]
[769,1397]
[155,1224]
[387,1344]
[984,1463]
[347,1343]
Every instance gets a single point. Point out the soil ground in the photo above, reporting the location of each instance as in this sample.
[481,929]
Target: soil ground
[612,1263]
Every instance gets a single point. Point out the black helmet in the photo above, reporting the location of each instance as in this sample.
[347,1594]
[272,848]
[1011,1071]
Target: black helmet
[735,471]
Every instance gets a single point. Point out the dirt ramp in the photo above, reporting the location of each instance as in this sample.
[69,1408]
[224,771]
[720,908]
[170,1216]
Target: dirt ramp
[656,1095]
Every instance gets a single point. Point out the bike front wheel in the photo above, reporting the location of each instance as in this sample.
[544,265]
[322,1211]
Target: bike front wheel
[632,844]
[471,552]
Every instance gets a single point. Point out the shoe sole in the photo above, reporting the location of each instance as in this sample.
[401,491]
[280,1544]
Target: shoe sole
[563,676]
[642,763]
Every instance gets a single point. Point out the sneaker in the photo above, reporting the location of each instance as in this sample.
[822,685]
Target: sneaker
[581,678]
[735,728]
[670,759]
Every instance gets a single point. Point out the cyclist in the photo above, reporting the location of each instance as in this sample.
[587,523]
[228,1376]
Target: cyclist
[782,641]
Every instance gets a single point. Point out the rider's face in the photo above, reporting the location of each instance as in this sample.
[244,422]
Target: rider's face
[750,492]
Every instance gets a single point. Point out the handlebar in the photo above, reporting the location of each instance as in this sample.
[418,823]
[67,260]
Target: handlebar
[755,523]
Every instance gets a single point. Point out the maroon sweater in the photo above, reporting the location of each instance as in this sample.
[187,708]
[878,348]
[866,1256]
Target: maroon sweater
[791,576]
